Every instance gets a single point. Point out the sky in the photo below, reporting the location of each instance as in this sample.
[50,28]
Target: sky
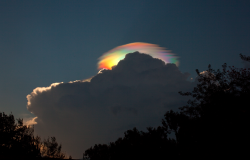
[45,42]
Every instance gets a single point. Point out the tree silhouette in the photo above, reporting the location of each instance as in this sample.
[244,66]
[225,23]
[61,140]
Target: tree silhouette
[152,144]
[213,124]
[18,141]
[51,149]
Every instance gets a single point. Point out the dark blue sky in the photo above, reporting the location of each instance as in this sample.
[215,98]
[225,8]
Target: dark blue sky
[42,42]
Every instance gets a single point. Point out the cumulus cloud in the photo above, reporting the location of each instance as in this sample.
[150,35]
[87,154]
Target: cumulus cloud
[135,93]
[30,121]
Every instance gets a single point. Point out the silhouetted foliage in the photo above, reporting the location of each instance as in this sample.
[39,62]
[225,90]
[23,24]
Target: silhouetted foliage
[214,123]
[18,141]
[16,138]
[51,149]
[153,144]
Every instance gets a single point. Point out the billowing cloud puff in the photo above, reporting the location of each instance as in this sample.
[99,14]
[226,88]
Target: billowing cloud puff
[135,93]
[30,121]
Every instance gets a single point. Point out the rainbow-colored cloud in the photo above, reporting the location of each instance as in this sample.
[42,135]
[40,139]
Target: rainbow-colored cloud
[112,57]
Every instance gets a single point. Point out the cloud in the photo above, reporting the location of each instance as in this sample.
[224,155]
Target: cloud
[135,93]
[30,121]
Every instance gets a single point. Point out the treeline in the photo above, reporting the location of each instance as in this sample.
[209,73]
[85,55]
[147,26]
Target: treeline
[213,124]
[17,141]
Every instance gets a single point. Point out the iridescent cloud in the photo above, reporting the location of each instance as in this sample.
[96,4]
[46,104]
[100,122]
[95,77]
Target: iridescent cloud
[112,57]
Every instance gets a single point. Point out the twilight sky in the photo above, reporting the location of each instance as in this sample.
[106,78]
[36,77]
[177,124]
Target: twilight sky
[44,42]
